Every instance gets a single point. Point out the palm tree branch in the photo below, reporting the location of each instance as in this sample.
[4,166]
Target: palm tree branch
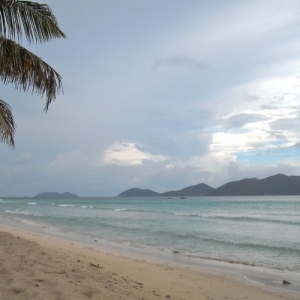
[7,124]
[27,71]
[36,21]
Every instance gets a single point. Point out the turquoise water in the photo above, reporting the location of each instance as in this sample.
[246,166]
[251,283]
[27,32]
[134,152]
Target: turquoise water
[256,231]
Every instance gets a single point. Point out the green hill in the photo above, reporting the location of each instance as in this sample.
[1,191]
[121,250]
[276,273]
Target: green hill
[279,184]
[274,185]
[201,189]
[135,192]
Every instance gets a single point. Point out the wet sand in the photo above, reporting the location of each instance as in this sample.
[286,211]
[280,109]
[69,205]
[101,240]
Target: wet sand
[34,266]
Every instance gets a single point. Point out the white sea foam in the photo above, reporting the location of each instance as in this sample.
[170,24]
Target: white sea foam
[32,203]
[11,212]
[121,209]
[185,214]
[29,222]
[24,212]
[66,205]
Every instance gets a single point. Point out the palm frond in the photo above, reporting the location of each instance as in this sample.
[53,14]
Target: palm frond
[36,21]
[7,124]
[28,71]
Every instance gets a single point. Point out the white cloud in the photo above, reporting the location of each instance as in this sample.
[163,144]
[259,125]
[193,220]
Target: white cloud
[212,162]
[129,154]
[245,126]
[208,126]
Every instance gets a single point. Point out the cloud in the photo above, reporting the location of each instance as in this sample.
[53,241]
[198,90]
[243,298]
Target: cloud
[129,154]
[222,104]
[178,61]
[277,135]
[23,159]
[240,120]
[268,107]
[69,162]
[211,162]
[240,23]
[243,126]
[289,124]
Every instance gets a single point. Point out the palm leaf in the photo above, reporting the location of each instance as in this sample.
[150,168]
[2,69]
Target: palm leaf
[28,71]
[34,20]
[7,124]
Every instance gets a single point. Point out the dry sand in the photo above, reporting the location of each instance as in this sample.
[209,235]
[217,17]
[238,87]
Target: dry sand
[41,267]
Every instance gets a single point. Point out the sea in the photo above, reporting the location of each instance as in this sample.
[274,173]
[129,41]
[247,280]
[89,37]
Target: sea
[258,237]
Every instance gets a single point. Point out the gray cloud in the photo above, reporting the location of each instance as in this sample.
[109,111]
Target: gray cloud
[23,159]
[178,61]
[239,120]
[286,124]
[277,135]
[112,96]
[268,107]
[251,98]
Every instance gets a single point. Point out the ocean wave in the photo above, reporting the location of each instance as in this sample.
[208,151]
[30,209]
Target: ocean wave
[261,246]
[67,205]
[24,212]
[252,219]
[236,218]
[229,243]
[231,261]
[130,210]
[32,203]
[185,214]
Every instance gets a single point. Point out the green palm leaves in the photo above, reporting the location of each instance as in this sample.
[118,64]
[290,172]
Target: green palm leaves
[7,124]
[20,67]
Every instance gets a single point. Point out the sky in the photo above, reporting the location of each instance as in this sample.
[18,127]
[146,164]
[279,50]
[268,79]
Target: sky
[160,95]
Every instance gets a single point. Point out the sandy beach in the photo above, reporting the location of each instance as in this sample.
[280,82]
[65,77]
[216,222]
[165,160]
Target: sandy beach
[34,266]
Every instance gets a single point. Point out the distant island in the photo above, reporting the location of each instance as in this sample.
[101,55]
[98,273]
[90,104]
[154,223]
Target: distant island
[56,195]
[277,185]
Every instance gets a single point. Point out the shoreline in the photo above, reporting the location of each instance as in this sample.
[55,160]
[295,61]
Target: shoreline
[263,277]
[151,273]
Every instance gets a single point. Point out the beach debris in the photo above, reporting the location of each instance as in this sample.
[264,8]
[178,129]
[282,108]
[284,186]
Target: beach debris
[96,266]
[284,282]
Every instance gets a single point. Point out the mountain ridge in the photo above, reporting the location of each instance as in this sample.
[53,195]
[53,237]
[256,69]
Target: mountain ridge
[274,185]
